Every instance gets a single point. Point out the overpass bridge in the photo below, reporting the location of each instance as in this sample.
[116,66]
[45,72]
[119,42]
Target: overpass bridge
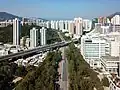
[34,50]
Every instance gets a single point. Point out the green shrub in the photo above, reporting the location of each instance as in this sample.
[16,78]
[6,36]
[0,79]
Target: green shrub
[105,82]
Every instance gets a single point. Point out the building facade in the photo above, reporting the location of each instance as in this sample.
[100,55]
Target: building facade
[16,31]
[92,48]
[78,26]
[43,36]
[116,20]
[110,64]
[87,24]
[71,27]
[34,40]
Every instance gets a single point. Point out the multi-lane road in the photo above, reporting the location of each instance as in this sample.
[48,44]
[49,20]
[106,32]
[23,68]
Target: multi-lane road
[63,71]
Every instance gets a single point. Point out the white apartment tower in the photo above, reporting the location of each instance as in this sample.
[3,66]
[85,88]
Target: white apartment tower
[71,27]
[116,20]
[57,25]
[53,24]
[78,26]
[16,31]
[48,24]
[61,25]
[34,34]
[87,24]
[105,29]
[66,25]
[43,36]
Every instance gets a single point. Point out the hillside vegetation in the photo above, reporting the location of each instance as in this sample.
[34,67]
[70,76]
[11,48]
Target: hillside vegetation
[6,34]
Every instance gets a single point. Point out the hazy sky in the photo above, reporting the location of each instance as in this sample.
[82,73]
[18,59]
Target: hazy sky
[60,9]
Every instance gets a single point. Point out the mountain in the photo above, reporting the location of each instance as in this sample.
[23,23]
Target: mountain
[112,15]
[7,16]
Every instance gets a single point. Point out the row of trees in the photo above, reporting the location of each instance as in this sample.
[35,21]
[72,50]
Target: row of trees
[44,77]
[6,34]
[52,36]
[8,71]
[81,77]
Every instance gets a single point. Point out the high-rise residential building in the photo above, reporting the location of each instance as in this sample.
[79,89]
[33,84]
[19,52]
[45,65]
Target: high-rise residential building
[116,28]
[103,20]
[57,25]
[100,20]
[71,27]
[114,48]
[113,39]
[44,24]
[108,20]
[53,24]
[43,35]
[106,29]
[116,20]
[87,24]
[98,27]
[79,29]
[78,26]
[66,25]
[48,24]
[16,31]
[61,25]
[34,37]
[23,21]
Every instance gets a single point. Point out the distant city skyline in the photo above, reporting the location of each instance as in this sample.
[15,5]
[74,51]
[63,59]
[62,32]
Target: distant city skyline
[60,9]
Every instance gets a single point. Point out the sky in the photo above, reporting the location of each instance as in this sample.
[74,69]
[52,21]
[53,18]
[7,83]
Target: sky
[60,9]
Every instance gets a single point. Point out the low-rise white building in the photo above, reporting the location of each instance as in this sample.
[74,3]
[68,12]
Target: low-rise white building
[112,43]
[110,64]
[34,60]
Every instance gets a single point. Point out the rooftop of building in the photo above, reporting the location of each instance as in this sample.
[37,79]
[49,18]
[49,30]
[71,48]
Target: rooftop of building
[110,58]
[114,33]
[94,38]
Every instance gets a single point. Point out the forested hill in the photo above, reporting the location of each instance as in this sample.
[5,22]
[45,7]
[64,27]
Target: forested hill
[7,16]
[6,33]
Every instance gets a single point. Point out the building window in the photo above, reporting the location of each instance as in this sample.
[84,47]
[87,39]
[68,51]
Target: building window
[109,70]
